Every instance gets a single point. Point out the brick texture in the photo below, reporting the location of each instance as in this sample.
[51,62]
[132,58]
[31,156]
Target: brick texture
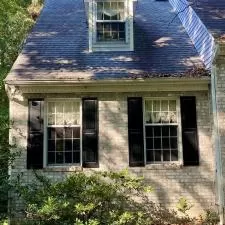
[170,181]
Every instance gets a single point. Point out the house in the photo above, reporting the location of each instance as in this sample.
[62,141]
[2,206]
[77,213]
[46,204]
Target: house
[125,84]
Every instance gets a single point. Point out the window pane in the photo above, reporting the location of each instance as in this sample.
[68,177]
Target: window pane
[148,117]
[59,132]
[172,105]
[115,26]
[100,10]
[173,131]
[59,145]
[149,143]
[150,156]
[59,119]
[51,119]
[173,143]
[76,144]
[157,131]
[76,132]
[172,117]
[107,36]
[156,106]
[68,157]
[165,131]
[121,10]
[68,132]
[174,155]
[149,131]
[51,145]
[157,143]
[106,11]
[51,157]
[157,156]
[51,107]
[51,133]
[59,157]
[166,155]
[114,6]
[165,143]
[115,36]
[121,36]
[76,157]
[148,105]
[164,106]
[156,117]
[107,27]
[68,145]
[122,27]
[164,117]
[59,107]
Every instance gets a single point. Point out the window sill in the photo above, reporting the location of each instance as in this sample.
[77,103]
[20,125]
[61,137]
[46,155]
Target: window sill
[62,169]
[164,166]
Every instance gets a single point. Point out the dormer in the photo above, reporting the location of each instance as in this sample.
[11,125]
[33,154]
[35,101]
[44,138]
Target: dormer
[110,24]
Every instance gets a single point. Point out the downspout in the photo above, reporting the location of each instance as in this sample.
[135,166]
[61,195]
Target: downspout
[216,140]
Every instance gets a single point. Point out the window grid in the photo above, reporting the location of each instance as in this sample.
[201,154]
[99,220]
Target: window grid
[110,23]
[63,139]
[161,131]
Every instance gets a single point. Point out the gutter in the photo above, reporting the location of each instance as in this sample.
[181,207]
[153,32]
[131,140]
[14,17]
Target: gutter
[216,140]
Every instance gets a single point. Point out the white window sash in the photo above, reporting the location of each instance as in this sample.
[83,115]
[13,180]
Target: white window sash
[45,152]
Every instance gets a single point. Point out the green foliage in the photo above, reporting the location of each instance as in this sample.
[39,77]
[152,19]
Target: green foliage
[99,198]
[210,217]
[15,22]
[183,206]
[14,25]
[114,198]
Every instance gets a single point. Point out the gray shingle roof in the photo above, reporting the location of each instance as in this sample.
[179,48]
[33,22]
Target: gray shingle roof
[212,14]
[57,47]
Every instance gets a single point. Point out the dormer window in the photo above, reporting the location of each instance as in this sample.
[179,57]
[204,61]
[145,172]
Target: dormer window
[110,22]
[110,25]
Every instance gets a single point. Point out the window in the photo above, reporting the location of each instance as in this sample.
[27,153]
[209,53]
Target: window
[63,132]
[161,131]
[110,23]
[66,134]
[154,133]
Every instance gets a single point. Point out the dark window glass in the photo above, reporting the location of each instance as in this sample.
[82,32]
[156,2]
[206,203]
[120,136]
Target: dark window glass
[68,145]
[150,156]
[157,156]
[68,157]
[165,131]
[166,143]
[149,131]
[51,157]
[149,143]
[166,155]
[174,155]
[157,143]
[59,157]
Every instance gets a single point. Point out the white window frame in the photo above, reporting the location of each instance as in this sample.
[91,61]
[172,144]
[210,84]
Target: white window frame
[102,46]
[112,21]
[45,153]
[179,132]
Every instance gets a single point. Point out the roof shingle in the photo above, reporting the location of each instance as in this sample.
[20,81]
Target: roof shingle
[57,47]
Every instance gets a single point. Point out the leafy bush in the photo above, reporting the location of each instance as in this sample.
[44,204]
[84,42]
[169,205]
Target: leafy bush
[114,198]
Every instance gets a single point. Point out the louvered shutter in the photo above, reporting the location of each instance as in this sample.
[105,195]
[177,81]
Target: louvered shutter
[90,132]
[135,132]
[35,134]
[189,131]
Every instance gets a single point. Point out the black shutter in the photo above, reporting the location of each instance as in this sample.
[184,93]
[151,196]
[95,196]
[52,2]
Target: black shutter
[35,134]
[90,132]
[135,132]
[189,131]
